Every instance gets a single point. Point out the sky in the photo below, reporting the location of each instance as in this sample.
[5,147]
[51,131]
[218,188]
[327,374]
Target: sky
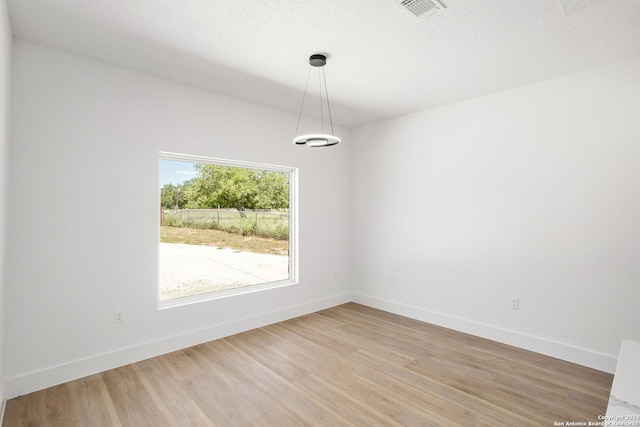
[175,172]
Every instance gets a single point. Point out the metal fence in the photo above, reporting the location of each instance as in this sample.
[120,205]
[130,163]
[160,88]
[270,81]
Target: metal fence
[268,223]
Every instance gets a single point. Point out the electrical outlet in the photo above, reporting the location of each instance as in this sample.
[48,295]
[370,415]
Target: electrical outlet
[118,315]
[515,303]
[392,281]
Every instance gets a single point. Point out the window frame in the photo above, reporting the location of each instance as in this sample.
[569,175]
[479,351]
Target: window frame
[293,230]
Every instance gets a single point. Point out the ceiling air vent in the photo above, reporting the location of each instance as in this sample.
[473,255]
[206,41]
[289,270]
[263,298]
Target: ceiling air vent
[419,8]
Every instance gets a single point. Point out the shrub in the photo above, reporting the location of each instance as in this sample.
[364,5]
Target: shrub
[262,224]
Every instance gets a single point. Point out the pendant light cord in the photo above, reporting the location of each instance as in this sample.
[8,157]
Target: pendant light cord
[320,92]
[304,95]
[328,103]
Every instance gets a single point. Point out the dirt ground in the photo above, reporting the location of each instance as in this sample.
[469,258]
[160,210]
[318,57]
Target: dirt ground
[223,239]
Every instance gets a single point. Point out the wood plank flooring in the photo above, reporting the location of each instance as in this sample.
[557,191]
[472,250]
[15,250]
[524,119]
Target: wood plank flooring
[346,366]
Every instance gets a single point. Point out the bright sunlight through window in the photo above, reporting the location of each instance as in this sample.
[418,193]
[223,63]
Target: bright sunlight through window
[226,227]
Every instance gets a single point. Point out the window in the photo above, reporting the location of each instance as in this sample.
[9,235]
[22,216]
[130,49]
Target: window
[226,227]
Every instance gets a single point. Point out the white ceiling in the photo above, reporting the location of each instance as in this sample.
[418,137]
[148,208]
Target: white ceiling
[382,63]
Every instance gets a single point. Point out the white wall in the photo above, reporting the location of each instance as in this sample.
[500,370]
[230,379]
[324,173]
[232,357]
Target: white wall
[84,215]
[5,83]
[532,192]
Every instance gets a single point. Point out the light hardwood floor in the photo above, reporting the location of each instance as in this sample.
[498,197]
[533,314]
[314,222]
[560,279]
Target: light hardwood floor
[346,366]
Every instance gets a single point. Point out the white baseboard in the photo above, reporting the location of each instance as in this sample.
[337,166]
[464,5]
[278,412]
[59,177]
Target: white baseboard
[54,375]
[3,401]
[561,351]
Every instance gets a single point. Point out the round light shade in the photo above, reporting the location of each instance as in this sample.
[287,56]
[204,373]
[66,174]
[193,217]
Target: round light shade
[317,140]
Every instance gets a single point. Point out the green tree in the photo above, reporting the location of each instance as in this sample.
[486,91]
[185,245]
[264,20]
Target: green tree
[273,190]
[237,187]
[173,196]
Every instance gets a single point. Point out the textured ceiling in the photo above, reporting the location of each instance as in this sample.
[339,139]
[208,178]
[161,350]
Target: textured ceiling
[382,63]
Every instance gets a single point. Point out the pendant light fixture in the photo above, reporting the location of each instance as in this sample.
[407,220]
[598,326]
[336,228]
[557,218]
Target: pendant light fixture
[317,139]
